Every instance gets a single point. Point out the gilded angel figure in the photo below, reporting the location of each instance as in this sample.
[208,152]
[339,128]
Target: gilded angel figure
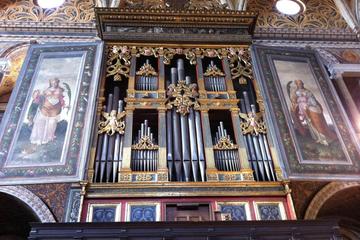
[113,123]
[253,123]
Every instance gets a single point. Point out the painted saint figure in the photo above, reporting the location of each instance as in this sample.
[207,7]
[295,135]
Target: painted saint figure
[308,114]
[48,106]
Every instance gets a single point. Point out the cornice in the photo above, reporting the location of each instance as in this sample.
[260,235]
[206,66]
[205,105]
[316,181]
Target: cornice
[174,25]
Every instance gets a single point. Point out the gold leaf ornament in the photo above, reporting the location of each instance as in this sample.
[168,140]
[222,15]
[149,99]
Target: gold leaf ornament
[183,96]
[113,123]
[225,143]
[118,62]
[145,143]
[252,124]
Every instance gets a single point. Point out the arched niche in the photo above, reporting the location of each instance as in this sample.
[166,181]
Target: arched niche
[37,206]
[338,200]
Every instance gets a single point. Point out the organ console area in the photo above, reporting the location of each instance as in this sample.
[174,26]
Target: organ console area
[180,114]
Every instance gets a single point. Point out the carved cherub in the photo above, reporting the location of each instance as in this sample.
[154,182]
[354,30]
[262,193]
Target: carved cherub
[253,123]
[113,123]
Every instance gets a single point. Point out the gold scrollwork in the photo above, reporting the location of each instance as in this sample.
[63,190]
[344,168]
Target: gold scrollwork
[184,97]
[146,70]
[253,123]
[147,51]
[143,177]
[118,62]
[225,143]
[229,177]
[169,54]
[240,64]
[114,122]
[213,71]
[145,143]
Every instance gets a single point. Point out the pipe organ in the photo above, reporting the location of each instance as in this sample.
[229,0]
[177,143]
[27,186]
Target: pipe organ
[181,115]
[180,131]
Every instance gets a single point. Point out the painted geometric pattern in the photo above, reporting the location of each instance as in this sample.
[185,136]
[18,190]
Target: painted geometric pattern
[142,213]
[104,214]
[238,212]
[269,212]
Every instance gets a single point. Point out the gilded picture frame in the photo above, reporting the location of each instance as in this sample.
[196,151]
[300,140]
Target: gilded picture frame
[42,135]
[307,122]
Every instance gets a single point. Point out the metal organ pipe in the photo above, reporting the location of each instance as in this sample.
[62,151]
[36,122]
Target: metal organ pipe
[105,142]
[119,142]
[261,160]
[185,147]
[214,82]
[226,159]
[147,82]
[144,154]
[177,148]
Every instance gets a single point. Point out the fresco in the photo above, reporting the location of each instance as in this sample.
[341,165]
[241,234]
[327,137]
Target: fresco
[42,137]
[49,111]
[314,128]
[307,123]
[13,57]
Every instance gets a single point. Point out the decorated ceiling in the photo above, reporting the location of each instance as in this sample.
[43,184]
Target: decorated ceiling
[321,14]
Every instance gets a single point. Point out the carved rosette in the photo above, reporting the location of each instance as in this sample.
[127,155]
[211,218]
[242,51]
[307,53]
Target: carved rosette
[183,96]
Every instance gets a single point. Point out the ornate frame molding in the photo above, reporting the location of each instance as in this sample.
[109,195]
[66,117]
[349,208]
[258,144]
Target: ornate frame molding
[174,25]
[325,194]
[30,199]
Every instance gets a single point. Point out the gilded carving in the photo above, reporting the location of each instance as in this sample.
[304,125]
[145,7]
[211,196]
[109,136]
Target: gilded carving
[252,124]
[205,5]
[146,70]
[240,64]
[212,177]
[189,4]
[225,143]
[125,177]
[321,14]
[118,63]
[213,71]
[229,177]
[147,4]
[143,177]
[163,177]
[25,11]
[183,96]
[145,143]
[114,122]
